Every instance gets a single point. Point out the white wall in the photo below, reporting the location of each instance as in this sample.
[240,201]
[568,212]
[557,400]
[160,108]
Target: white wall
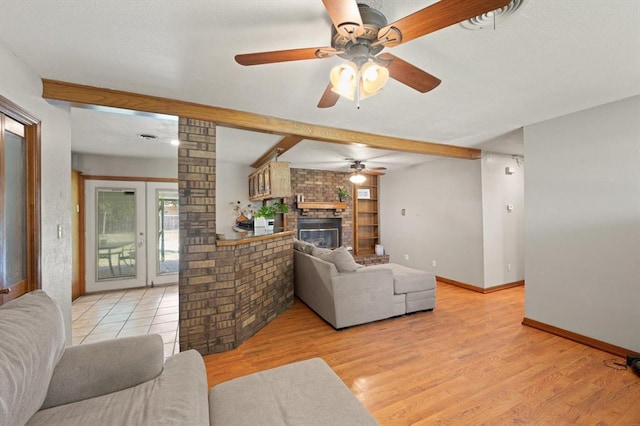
[582,224]
[22,86]
[106,165]
[503,231]
[443,222]
[232,184]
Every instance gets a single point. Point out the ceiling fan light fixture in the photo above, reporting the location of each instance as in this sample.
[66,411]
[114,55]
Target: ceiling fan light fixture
[343,79]
[357,178]
[353,83]
[374,77]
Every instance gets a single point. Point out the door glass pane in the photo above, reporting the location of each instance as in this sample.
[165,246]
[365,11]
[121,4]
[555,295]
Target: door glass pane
[15,226]
[167,221]
[116,233]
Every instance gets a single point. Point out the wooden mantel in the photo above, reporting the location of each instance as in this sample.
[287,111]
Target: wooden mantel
[321,205]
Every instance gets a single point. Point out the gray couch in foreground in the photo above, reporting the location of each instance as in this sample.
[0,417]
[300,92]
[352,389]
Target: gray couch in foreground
[344,293]
[126,382]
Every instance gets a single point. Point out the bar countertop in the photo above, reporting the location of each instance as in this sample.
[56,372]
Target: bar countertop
[243,236]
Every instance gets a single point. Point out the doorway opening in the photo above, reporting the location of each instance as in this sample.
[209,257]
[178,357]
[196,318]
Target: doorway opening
[131,234]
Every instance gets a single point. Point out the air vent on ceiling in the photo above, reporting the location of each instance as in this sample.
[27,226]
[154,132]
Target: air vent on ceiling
[147,136]
[492,18]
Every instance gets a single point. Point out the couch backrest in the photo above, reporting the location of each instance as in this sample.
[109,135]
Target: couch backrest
[32,340]
[326,269]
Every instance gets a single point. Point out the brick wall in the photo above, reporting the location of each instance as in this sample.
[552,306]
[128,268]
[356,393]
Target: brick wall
[264,283]
[371,259]
[227,292]
[321,185]
[197,187]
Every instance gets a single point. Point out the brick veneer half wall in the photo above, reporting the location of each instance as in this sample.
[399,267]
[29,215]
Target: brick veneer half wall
[227,293]
[321,185]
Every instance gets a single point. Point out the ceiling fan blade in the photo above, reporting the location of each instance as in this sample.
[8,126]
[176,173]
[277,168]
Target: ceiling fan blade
[435,17]
[345,17]
[377,168]
[408,74]
[285,55]
[329,98]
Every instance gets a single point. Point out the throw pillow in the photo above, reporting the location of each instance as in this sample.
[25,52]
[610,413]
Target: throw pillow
[342,259]
[307,247]
[303,246]
[297,244]
[320,252]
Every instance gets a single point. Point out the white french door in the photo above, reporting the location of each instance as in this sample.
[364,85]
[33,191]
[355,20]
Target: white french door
[162,224]
[131,231]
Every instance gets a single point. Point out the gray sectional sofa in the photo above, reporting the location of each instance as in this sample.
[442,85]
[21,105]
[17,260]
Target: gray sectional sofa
[126,382]
[344,293]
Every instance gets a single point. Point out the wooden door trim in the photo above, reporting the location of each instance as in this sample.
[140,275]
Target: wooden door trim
[33,243]
[129,178]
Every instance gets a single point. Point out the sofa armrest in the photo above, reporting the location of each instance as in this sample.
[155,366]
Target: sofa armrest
[87,371]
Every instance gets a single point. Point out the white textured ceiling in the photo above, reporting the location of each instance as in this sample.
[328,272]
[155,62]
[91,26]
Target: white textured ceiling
[550,58]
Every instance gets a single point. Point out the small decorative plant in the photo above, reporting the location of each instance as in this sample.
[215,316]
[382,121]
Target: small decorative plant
[269,212]
[343,194]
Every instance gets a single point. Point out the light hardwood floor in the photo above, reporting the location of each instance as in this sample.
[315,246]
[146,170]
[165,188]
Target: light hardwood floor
[468,362]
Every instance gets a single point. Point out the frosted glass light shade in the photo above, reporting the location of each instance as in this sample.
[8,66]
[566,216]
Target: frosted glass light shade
[374,77]
[344,79]
[358,178]
[349,81]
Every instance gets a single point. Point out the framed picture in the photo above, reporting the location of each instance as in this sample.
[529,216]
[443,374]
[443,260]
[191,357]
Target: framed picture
[364,193]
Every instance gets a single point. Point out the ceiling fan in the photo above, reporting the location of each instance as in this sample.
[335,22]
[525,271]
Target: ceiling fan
[359,33]
[360,170]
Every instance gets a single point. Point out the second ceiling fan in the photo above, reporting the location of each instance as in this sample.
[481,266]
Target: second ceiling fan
[360,170]
[359,33]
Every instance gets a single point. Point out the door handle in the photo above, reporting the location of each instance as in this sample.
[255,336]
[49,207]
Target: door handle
[5,290]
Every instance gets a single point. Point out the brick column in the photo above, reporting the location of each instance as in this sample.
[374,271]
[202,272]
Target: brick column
[227,292]
[197,191]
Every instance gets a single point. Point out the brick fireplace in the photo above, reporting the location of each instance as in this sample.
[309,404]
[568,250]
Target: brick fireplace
[321,186]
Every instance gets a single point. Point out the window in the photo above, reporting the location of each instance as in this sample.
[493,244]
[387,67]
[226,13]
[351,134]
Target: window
[19,201]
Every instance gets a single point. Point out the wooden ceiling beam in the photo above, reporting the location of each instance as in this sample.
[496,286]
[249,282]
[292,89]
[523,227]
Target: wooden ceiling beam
[282,146]
[89,95]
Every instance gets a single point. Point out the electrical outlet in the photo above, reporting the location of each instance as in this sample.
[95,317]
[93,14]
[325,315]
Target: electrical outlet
[434,263]
[508,267]
[406,257]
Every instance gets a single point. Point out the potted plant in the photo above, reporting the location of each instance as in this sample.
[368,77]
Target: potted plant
[265,214]
[343,194]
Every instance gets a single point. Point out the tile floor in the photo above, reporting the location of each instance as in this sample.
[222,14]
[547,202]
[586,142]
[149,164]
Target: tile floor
[109,315]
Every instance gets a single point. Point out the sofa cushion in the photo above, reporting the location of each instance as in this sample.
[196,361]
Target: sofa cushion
[32,340]
[342,259]
[406,280]
[303,393]
[176,397]
[93,369]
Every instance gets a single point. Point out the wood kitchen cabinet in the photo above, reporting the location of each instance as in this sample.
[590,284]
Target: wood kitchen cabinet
[273,180]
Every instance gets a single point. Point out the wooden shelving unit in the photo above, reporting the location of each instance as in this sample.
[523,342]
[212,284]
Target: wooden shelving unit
[365,217]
